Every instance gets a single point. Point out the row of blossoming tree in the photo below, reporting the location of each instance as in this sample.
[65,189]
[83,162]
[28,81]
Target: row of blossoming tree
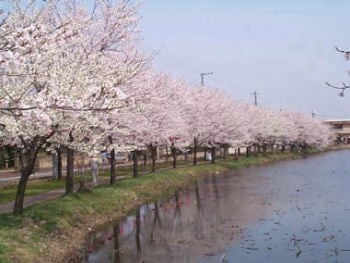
[72,76]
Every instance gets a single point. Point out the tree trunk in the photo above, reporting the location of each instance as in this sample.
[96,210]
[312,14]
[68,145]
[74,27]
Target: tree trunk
[225,151]
[247,150]
[173,152]
[213,153]
[292,148]
[70,171]
[236,155]
[167,155]
[27,163]
[144,159]
[18,206]
[27,155]
[195,151]
[153,153]
[205,153]
[112,168]
[135,164]
[239,151]
[81,170]
[54,166]
[59,163]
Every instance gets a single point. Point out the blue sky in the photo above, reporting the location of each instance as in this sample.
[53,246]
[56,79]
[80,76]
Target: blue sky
[282,49]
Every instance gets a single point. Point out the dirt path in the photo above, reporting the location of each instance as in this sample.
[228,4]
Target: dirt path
[49,195]
[46,196]
[31,200]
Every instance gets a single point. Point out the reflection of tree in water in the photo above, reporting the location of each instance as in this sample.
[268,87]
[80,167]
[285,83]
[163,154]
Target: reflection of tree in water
[116,243]
[193,222]
[198,199]
[155,221]
[198,225]
[215,186]
[211,186]
[177,213]
[137,233]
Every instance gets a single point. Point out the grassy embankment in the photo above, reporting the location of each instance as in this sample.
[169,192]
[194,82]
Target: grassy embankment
[35,187]
[53,230]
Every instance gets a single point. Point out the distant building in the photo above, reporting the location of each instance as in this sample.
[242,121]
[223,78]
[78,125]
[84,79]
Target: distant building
[341,128]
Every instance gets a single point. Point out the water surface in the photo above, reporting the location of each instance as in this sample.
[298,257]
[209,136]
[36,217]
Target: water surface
[292,211]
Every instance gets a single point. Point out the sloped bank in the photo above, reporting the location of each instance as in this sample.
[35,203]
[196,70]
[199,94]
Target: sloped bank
[55,230]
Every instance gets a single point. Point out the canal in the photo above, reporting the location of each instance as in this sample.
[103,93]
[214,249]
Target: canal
[291,211]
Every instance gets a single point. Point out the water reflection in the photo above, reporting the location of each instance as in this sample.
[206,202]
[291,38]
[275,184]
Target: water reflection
[295,210]
[181,229]
[215,186]
[137,234]
[116,243]
[156,221]
[198,199]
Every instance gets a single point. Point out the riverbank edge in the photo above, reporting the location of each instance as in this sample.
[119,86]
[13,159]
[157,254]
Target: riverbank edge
[56,230]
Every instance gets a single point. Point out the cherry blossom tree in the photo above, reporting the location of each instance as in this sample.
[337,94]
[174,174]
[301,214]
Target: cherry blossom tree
[61,65]
[72,76]
[160,118]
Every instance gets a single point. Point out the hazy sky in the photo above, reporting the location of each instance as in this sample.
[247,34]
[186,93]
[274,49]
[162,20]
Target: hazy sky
[284,49]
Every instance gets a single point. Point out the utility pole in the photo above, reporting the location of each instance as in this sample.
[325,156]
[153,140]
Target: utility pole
[255,94]
[205,74]
[313,114]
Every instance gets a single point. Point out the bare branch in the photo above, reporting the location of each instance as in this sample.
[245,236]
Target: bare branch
[345,52]
[341,51]
[335,87]
[341,94]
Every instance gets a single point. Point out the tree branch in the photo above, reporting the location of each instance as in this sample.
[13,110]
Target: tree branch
[345,52]
[341,94]
[335,87]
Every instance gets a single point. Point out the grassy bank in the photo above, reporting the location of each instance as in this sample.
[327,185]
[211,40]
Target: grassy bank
[35,187]
[53,230]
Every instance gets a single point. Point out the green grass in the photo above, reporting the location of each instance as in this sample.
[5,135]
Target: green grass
[34,187]
[46,230]
[8,193]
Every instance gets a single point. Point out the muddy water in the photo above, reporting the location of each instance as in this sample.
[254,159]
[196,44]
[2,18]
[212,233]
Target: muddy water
[292,211]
